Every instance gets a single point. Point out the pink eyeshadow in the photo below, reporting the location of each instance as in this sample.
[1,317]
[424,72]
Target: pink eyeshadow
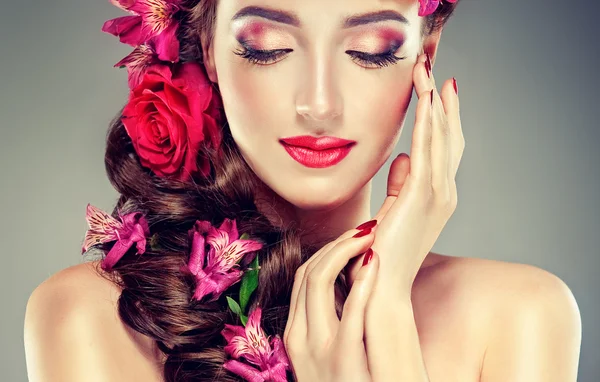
[253,30]
[377,39]
[390,35]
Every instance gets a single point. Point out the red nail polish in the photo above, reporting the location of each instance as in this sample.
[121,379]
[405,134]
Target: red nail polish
[431,96]
[455,85]
[367,225]
[368,257]
[428,65]
[362,233]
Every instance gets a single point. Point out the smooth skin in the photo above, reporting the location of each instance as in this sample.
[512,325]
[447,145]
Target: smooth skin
[462,319]
[367,344]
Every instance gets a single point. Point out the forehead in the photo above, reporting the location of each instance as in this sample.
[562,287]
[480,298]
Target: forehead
[307,14]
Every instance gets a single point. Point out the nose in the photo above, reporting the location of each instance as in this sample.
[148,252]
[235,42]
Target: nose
[320,99]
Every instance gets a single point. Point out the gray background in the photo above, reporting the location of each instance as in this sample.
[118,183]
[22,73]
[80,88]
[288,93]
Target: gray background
[528,182]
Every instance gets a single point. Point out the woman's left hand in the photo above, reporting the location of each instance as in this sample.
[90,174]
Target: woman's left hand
[421,191]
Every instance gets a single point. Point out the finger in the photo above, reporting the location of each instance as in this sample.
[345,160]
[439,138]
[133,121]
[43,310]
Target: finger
[351,330]
[420,164]
[296,290]
[399,170]
[293,312]
[451,104]
[369,224]
[440,158]
[318,286]
[302,269]
[421,80]
[400,167]
[420,151]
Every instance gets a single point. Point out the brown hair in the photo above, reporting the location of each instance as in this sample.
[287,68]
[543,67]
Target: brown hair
[156,296]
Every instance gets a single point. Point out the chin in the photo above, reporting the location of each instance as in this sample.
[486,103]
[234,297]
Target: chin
[316,196]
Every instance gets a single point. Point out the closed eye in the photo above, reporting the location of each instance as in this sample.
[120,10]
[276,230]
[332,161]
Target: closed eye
[267,57]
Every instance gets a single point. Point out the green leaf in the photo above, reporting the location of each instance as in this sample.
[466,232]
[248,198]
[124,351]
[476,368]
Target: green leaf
[244,236]
[234,306]
[249,283]
[244,319]
[122,66]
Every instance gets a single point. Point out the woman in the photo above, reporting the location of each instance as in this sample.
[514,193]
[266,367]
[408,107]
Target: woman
[237,222]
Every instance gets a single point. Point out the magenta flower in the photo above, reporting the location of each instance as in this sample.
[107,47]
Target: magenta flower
[269,359]
[137,62]
[427,7]
[103,228]
[217,269]
[123,4]
[151,20]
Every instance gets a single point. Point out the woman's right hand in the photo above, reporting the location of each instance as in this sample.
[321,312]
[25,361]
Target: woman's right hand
[320,346]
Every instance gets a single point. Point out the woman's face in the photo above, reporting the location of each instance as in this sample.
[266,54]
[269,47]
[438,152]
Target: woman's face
[336,68]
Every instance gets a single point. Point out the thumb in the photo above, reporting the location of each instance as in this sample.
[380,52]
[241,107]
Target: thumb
[399,171]
[353,313]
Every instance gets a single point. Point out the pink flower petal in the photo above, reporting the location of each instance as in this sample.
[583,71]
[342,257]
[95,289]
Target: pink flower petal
[250,343]
[157,17]
[236,251]
[217,239]
[275,373]
[127,28]
[123,4]
[196,262]
[427,7]
[167,44]
[137,62]
[116,253]
[279,354]
[102,227]
[230,226]
[240,346]
[243,370]
[231,331]
[214,284]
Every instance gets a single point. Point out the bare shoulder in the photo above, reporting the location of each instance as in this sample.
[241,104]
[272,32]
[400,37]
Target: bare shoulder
[73,331]
[509,311]
[490,285]
[507,282]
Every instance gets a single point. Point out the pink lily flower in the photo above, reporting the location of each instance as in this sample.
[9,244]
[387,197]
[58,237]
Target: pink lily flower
[140,59]
[103,228]
[123,4]
[269,359]
[427,7]
[151,20]
[217,269]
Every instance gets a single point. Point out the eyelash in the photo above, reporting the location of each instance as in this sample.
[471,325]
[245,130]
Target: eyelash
[265,57]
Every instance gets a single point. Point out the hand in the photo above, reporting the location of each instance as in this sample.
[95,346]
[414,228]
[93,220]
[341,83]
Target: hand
[319,345]
[427,197]
[438,145]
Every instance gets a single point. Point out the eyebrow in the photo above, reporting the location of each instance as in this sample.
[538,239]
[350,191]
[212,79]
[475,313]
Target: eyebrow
[289,18]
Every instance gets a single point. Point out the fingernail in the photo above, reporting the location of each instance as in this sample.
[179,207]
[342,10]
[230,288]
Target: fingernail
[362,233]
[431,93]
[367,225]
[428,65]
[368,257]
[455,85]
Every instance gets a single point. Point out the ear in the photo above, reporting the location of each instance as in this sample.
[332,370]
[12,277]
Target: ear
[430,44]
[208,58]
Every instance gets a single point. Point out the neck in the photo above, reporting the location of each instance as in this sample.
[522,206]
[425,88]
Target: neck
[319,225]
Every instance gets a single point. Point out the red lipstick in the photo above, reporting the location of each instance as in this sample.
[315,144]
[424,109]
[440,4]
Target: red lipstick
[317,152]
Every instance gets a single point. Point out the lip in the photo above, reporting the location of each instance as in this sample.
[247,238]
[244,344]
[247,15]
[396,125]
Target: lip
[317,152]
[321,143]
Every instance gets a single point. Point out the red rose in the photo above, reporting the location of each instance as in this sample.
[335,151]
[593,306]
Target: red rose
[170,116]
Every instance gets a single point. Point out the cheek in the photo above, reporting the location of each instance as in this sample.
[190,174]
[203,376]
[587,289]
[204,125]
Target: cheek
[246,98]
[380,106]
[253,101]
